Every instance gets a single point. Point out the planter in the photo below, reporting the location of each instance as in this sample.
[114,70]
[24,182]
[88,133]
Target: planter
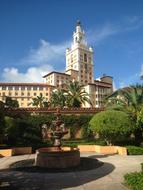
[103,149]
[16,151]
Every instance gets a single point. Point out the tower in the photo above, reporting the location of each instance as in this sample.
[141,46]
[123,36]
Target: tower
[79,58]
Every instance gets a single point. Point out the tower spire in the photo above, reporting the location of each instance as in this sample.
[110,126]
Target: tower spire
[78,23]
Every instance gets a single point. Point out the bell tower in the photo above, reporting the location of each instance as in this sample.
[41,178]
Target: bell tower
[79,58]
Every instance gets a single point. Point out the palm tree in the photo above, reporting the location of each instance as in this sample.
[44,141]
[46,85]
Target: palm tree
[58,99]
[76,95]
[10,103]
[129,100]
[39,101]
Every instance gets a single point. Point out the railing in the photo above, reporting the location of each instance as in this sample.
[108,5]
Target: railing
[54,110]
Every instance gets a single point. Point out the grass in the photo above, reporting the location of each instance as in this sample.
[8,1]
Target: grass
[134,180]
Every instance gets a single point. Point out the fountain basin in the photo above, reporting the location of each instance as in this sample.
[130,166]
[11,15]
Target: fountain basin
[52,157]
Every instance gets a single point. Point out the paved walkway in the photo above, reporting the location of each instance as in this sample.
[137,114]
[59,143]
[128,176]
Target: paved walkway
[107,177]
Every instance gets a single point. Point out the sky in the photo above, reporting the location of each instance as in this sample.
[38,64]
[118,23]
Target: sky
[34,35]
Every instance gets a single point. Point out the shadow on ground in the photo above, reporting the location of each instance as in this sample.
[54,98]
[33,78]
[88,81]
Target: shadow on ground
[102,155]
[23,175]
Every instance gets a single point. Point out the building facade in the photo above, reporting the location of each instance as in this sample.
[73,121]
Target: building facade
[24,92]
[79,67]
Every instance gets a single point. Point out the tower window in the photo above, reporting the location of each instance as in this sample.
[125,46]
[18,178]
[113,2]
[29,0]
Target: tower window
[85,57]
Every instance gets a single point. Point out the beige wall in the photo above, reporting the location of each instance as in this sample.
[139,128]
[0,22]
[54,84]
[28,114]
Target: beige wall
[24,94]
[57,79]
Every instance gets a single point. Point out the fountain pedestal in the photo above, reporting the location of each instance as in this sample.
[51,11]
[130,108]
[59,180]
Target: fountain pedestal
[53,158]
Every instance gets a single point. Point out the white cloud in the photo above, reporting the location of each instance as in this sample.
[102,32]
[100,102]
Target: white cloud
[33,74]
[130,80]
[39,61]
[96,36]
[46,53]
[114,86]
[128,24]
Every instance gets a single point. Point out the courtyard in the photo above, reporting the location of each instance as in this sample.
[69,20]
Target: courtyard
[98,171]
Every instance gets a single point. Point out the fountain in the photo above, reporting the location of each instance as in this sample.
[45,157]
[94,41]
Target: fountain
[57,156]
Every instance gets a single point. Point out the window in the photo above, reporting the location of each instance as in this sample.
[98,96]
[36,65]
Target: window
[35,94]
[40,87]
[46,94]
[3,87]
[3,93]
[85,57]
[47,88]
[16,87]
[22,87]
[85,66]
[16,94]
[28,94]
[10,88]
[34,88]
[28,87]
[9,93]
[22,93]
[22,99]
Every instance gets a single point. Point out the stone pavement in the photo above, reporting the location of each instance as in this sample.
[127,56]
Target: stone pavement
[109,176]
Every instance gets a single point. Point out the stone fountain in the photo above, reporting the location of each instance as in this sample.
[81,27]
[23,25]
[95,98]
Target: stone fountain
[57,156]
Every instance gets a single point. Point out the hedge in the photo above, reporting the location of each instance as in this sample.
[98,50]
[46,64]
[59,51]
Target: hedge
[134,150]
[26,130]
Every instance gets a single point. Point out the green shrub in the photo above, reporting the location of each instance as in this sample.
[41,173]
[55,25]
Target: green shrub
[141,167]
[21,132]
[25,130]
[75,143]
[77,122]
[134,150]
[111,125]
[134,180]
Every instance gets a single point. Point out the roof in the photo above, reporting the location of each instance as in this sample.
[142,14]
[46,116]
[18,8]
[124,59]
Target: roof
[24,84]
[104,76]
[72,70]
[100,83]
[56,73]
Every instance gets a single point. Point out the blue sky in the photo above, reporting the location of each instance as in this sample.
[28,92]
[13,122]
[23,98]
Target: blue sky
[34,35]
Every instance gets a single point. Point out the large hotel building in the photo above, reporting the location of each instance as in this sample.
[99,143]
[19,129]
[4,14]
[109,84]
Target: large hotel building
[79,67]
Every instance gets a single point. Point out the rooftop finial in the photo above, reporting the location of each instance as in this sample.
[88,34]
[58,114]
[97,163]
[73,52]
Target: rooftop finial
[78,23]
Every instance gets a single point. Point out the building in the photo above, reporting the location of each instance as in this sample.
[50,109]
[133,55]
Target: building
[79,67]
[24,92]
